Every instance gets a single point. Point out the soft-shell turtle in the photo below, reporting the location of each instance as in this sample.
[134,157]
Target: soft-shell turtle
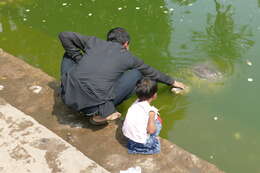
[207,72]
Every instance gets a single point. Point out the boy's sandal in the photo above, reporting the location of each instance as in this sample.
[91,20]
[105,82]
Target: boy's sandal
[97,123]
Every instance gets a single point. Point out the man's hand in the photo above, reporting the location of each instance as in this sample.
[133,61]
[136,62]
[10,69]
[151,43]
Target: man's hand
[179,88]
[180,85]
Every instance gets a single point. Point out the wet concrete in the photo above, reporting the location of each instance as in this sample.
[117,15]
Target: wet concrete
[106,144]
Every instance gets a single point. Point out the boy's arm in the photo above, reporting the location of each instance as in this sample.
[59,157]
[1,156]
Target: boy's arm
[151,127]
[74,44]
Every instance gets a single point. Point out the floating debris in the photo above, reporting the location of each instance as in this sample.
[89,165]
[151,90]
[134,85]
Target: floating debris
[171,9]
[27,10]
[1,87]
[90,14]
[120,8]
[161,6]
[24,19]
[136,169]
[36,89]
[43,21]
[80,4]
[211,157]
[176,90]
[237,136]
[165,11]
[64,4]
[13,26]
[250,79]
[215,118]
[249,63]
[137,8]
[1,27]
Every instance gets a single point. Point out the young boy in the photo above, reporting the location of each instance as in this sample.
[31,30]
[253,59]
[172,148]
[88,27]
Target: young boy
[142,124]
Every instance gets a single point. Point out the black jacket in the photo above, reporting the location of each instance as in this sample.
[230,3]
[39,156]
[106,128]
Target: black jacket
[99,64]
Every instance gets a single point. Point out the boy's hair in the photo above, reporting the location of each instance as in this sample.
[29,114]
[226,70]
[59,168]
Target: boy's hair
[119,35]
[146,88]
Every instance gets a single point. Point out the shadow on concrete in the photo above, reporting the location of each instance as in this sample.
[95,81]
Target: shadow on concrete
[122,140]
[67,116]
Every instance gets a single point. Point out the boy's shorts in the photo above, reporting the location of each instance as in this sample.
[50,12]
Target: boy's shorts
[152,145]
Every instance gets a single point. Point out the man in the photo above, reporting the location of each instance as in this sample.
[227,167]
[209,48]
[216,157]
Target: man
[98,75]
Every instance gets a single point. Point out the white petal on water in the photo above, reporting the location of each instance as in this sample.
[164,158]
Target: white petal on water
[215,118]
[161,6]
[43,21]
[64,4]
[137,8]
[90,14]
[250,79]
[237,136]
[165,11]
[249,62]
[171,9]
[120,8]
[13,25]
[24,19]
[190,4]
[36,89]
[1,87]
[1,27]
[27,10]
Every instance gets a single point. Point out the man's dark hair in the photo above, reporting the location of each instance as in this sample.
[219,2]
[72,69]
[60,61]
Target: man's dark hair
[146,88]
[119,35]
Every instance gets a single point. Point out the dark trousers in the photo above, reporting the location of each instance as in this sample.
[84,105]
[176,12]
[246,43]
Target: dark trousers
[124,87]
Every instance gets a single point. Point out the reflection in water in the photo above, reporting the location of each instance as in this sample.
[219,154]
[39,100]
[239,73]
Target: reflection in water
[184,2]
[174,110]
[221,41]
[148,25]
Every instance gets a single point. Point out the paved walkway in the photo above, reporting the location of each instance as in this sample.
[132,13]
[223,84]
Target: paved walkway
[27,146]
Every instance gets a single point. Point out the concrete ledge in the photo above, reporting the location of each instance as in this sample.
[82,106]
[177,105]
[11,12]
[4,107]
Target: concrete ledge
[27,146]
[105,145]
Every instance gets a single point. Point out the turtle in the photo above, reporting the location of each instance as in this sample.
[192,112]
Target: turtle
[208,72]
[205,76]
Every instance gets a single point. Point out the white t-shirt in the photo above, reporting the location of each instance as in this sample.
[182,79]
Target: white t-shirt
[135,124]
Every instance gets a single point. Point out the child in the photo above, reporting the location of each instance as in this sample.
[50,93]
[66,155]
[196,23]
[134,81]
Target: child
[142,124]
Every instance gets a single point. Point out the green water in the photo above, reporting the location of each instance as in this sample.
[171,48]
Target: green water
[218,122]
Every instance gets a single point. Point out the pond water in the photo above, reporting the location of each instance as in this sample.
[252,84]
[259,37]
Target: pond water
[218,121]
